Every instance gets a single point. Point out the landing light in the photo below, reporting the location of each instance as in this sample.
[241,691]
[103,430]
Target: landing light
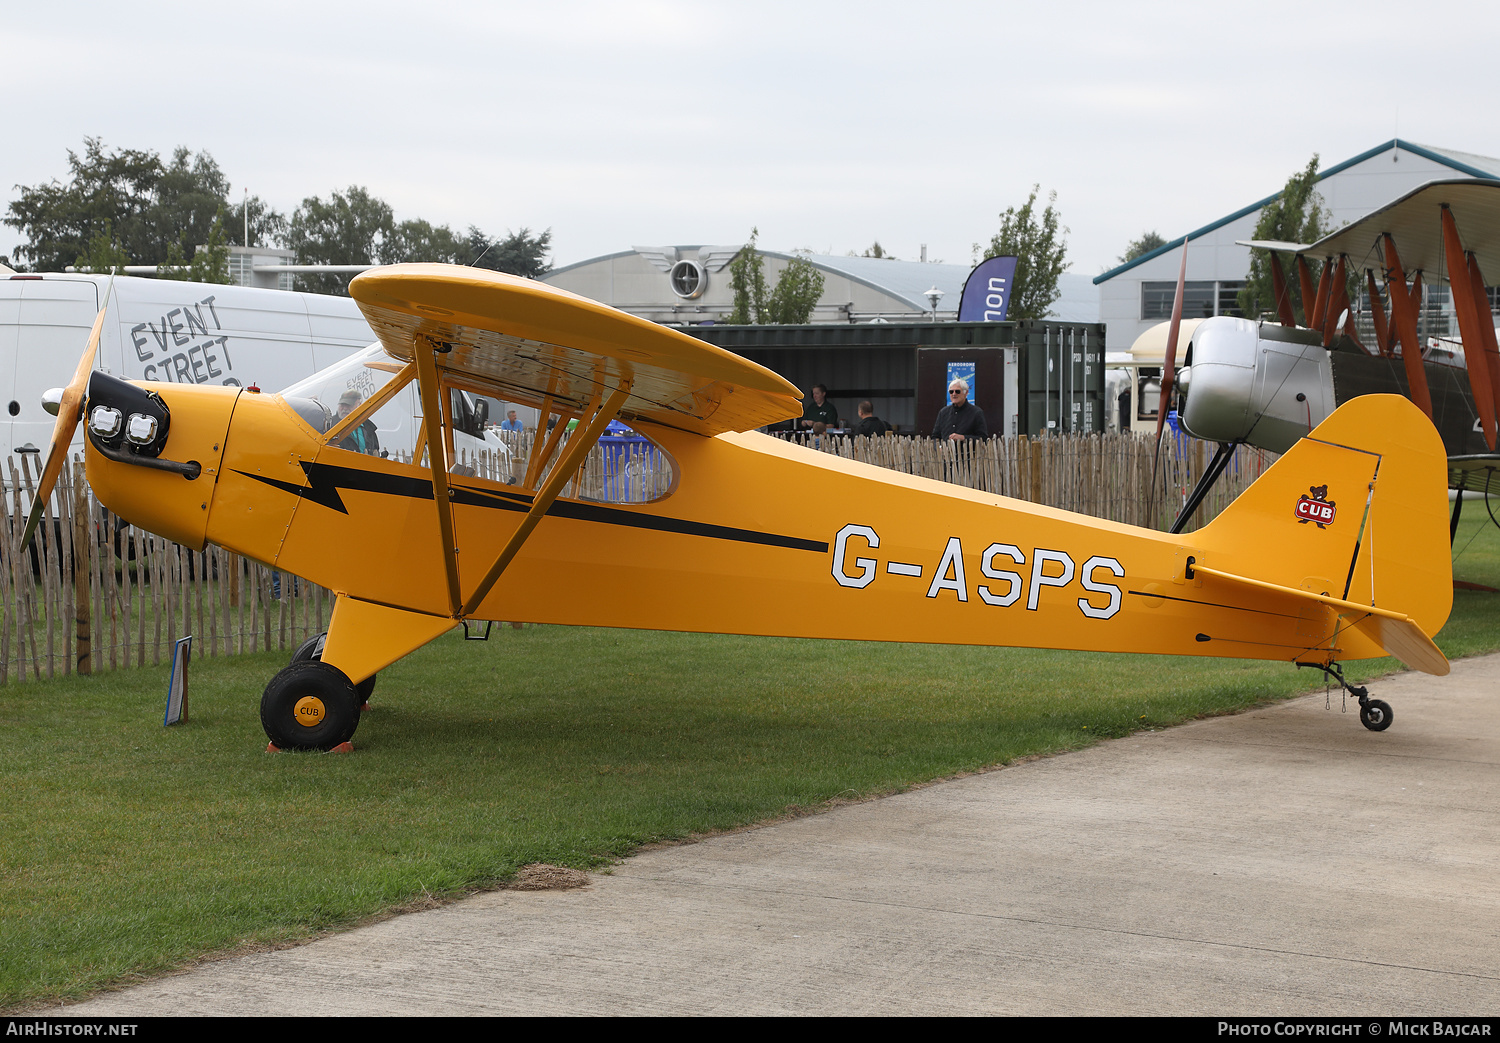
[105,421]
[141,430]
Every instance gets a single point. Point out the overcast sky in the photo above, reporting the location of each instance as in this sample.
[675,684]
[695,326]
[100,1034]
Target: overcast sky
[827,125]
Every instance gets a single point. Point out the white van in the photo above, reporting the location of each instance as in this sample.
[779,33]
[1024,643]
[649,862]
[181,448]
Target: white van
[183,332]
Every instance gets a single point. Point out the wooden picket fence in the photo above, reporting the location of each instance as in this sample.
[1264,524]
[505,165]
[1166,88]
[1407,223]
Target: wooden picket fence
[96,592]
[1104,476]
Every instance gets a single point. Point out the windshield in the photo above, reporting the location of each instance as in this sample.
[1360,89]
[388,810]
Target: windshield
[364,373]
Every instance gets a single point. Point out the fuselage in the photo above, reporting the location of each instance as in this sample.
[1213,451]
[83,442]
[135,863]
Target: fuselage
[763,537]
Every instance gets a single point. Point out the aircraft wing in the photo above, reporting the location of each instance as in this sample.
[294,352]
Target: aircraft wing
[524,341]
[1413,220]
[1479,472]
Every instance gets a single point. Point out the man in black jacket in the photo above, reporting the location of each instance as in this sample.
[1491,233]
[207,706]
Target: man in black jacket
[869,423]
[959,419]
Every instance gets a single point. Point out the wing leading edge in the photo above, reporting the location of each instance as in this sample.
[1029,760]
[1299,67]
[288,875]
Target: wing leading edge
[525,341]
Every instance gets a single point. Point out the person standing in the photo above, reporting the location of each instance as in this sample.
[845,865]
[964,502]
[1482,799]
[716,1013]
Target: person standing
[960,419]
[510,423]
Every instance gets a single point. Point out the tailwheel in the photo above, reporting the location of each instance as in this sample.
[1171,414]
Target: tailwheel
[309,706]
[311,650]
[1375,714]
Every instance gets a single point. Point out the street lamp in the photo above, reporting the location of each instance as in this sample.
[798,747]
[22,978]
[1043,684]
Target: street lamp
[934,295]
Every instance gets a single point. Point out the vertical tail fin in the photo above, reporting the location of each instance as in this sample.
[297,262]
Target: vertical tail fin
[1351,524]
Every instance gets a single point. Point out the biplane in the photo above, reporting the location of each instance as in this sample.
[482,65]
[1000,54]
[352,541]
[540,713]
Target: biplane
[1324,559]
[1269,383]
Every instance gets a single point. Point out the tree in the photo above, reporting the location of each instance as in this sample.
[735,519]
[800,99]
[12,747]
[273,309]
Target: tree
[357,228]
[210,261]
[108,193]
[146,205]
[417,240]
[1140,247]
[519,253]
[1039,248]
[876,250]
[1296,215]
[349,228]
[104,254]
[747,279]
[190,197]
[798,290]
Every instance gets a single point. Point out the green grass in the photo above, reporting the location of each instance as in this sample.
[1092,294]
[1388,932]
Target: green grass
[129,848]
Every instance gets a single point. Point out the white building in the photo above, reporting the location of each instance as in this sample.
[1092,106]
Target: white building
[1138,295]
[690,285]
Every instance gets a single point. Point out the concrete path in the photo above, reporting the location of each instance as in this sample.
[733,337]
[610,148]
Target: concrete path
[1286,861]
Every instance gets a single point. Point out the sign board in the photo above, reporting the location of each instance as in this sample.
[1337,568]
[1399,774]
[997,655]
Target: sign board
[177,700]
[986,296]
[961,371]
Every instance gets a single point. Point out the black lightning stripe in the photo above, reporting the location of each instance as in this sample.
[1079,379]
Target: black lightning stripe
[325,481]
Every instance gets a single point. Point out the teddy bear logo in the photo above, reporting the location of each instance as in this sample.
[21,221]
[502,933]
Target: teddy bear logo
[1316,507]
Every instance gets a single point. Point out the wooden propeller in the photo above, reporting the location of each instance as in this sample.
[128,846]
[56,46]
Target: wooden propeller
[69,413]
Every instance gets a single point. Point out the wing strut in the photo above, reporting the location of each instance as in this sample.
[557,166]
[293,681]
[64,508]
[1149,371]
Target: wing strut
[1283,295]
[572,458]
[1480,378]
[1486,317]
[1320,303]
[1305,285]
[541,451]
[1404,304]
[432,420]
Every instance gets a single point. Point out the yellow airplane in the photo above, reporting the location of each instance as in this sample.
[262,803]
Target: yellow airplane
[1336,553]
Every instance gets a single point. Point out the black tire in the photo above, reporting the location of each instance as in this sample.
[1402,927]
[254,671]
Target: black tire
[1376,715]
[309,691]
[311,650]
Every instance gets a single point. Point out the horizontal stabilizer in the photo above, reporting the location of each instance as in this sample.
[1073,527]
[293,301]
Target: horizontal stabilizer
[1395,632]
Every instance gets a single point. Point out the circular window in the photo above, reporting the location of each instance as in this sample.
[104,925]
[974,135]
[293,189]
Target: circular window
[689,280]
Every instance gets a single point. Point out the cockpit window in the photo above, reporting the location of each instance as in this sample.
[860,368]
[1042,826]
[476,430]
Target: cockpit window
[364,372]
[345,388]
[625,467]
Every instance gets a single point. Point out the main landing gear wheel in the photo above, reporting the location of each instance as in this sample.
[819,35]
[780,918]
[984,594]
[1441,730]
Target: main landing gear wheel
[1375,715]
[309,706]
[311,650]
